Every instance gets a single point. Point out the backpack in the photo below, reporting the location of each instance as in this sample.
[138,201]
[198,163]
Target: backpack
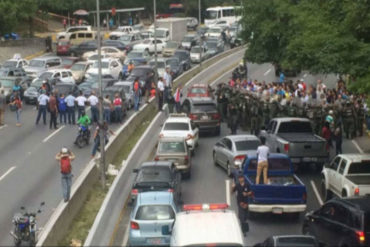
[65,165]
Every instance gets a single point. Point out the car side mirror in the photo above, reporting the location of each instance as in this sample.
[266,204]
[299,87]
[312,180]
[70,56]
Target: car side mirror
[135,170]
[166,230]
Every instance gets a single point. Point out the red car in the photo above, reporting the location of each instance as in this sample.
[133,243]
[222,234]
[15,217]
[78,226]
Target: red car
[63,47]
[199,90]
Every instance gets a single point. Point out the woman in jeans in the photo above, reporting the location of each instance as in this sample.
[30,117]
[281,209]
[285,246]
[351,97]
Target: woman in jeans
[17,104]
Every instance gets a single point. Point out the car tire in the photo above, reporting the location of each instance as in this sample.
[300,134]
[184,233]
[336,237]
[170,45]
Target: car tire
[344,193]
[214,159]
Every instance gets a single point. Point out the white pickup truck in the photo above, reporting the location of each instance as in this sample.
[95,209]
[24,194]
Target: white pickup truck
[347,175]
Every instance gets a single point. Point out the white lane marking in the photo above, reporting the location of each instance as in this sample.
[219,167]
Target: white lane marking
[316,193]
[305,75]
[7,173]
[268,71]
[3,126]
[53,134]
[221,76]
[358,147]
[228,201]
[125,239]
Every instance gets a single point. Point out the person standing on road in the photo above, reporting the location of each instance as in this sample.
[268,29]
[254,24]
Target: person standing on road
[96,137]
[148,86]
[263,153]
[17,104]
[65,23]
[338,140]
[160,93]
[326,134]
[81,101]
[2,107]
[42,104]
[136,93]
[94,103]
[70,100]
[177,98]
[53,109]
[65,157]
[117,104]
[107,107]
[167,78]
[62,109]
[242,193]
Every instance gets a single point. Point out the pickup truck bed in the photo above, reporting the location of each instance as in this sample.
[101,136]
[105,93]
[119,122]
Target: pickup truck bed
[299,137]
[279,180]
[359,180]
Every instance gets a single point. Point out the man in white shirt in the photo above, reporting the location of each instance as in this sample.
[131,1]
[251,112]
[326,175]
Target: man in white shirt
[94,103]
[42,104]
[81,101]
[263,153]
[160,93]
[70,101]
[167,83]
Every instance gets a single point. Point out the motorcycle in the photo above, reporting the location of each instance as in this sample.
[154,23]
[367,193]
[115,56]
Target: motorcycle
[83,137]
[25,227]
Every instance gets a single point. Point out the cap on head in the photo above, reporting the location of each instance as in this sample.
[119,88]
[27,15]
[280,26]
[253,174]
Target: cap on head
[64,150]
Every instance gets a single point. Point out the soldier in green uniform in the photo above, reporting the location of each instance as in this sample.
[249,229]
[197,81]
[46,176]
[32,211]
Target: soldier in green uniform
[360,114]
[266,112]
[274,107]
[348,115]
[310,113]
[254,116]
[292,109]
[301,110]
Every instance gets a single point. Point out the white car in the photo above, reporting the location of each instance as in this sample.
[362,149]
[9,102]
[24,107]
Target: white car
[114,52]
[110,66]
[198,54]
[161,66]
[148,45]
[214,32]
[179,125]
[70,30]
[62,75]
[121,30]
[15,63]
[162,34]
[91,56]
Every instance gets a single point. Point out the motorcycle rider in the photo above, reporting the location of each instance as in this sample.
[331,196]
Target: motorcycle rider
[84,121]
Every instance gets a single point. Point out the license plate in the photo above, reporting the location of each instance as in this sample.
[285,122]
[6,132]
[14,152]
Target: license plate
[155,241]
[277,210]
[205,118]
[309,159]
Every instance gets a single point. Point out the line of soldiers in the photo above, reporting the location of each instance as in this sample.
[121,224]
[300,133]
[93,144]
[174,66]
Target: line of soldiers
[252,111]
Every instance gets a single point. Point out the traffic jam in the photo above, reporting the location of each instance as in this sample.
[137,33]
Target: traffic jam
[262,168]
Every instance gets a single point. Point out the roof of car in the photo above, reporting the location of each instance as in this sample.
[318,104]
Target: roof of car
[155,197]
[243,138]
[157,163]
[123,83]
[362,203]
[178,118]
[198,100]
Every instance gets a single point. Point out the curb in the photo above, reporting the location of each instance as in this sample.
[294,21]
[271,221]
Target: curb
[35,55]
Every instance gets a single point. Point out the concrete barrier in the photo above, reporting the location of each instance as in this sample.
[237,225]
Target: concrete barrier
[57,227]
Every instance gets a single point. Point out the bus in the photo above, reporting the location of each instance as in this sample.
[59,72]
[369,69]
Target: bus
[230,14]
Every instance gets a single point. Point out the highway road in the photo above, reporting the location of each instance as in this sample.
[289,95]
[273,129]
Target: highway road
[210,184]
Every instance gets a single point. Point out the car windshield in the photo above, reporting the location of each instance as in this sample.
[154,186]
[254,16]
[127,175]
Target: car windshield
[180,55]
[195,50]
[138,72]
[67,62]
[176,126]
[135,54]
[36,83]
[246,145]
[104,65]
[214,30]
[187,39]
[204,107]
[146,35]
[171,45]
[63,89]
[78,67]
[296,242]
[211,14]
[359,168]
[63,43]
[154,174]
[160,33]
[6,83]
[198,90]
[171,147]
[46,75]
[155,212]
[211,44]
[125,38]
[9,64]
[85,85]
[173,62]
[127,89]
[295,127]
[37,63]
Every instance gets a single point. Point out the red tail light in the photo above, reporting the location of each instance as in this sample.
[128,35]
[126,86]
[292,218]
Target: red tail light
[200,207]
[238,160]
[170,190]
[193,117]
[156,158]
[134,225]
[360,236]
[134,192]
[357,191]
[304,196]
[286,147]
[216,116]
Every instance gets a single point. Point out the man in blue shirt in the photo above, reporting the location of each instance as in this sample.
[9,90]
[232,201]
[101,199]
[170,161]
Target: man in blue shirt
[42,105]
[70,101]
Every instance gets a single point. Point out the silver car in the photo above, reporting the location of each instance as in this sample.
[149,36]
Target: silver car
[128,87]
[230,151]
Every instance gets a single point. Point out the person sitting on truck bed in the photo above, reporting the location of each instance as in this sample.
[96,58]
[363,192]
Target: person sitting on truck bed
[243,191]
[263,152]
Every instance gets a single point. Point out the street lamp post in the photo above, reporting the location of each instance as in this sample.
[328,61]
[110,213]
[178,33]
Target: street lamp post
[101,129]
[155,35]
[200,12]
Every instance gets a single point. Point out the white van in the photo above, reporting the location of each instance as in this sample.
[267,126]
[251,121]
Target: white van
[206,224]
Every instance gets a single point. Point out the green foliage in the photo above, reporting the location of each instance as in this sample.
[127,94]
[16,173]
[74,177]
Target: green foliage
[330,36]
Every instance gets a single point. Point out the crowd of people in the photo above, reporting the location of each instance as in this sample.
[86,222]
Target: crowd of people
[252,104]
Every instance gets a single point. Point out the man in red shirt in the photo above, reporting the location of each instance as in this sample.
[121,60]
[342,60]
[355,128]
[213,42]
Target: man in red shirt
[53,109]
[326,134]
[117,103]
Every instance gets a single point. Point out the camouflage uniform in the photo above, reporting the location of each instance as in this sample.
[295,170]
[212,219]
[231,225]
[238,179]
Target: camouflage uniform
[266,113]
[254,117]
[348,115]
[310,113]
[360,114]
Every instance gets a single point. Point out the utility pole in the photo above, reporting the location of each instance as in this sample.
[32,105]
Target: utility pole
[101,129]
[200,13]
[155,35]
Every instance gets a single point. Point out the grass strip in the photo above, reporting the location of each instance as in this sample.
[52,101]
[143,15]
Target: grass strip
[79,229]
